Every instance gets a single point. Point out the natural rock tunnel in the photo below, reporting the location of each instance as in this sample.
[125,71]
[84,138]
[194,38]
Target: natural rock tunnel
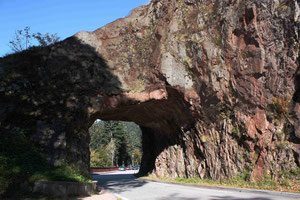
[211,84]
[163,121]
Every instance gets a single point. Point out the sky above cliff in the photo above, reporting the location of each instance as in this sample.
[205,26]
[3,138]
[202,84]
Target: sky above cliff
[64,17]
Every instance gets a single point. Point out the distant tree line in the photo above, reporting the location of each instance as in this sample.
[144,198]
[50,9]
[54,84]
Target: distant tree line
[115,143]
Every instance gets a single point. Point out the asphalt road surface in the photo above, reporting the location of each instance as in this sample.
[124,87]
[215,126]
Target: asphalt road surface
[127,187]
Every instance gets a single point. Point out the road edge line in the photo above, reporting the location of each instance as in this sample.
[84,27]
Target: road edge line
[119,196]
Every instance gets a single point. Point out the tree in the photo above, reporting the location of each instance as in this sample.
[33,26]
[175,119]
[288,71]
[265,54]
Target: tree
[98,135]
[100,158]
[45,39]
[111,148]
[21,40]
[24,39]
[136,156]
[121,142]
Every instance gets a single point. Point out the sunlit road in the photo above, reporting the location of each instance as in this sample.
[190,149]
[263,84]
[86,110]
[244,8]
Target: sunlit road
[129,187]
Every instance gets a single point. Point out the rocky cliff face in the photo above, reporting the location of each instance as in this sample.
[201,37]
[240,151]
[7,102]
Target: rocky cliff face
[213,84]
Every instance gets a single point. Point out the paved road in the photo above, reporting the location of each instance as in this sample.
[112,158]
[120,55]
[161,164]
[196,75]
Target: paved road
[129,187]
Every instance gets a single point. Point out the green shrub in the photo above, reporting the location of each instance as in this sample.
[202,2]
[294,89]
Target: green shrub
[279,108]
[22,162]
[289,181]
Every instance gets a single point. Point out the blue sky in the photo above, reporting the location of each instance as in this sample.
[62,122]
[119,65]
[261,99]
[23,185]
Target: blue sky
[64,17]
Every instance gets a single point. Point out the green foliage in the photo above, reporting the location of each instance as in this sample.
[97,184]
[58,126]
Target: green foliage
[18,158]
[61,173]
[122,143]
[24,39]
[291,174]
[217,39]
[236,132]
[100,158]
[22,162]
[98,135]
[279,108]
[136,156]
[288,181]
[114,143]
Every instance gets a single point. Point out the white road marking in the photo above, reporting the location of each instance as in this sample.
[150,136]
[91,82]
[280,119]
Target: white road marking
[119,196]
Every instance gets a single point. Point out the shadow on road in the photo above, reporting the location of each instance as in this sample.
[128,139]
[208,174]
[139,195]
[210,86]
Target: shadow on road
[125,183]
[236,198]
[177,196]
[118,182]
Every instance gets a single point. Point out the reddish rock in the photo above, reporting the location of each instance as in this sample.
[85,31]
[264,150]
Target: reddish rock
[202,79]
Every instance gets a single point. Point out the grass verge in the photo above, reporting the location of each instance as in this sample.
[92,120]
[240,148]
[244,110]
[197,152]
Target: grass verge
[290,182]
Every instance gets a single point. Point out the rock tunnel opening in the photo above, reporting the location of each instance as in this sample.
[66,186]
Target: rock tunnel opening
[163,124]
[115,144]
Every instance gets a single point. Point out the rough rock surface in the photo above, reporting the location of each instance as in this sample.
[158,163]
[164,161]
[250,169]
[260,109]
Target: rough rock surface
[214,85]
